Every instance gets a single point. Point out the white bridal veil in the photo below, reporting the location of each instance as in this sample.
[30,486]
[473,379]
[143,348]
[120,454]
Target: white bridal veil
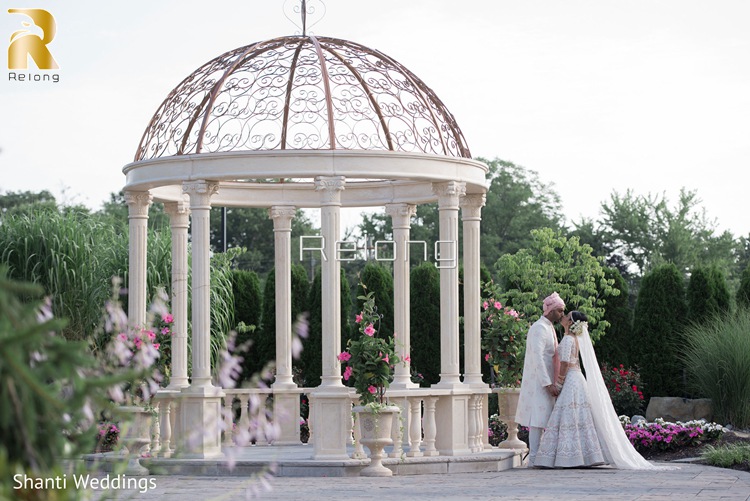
[617,449]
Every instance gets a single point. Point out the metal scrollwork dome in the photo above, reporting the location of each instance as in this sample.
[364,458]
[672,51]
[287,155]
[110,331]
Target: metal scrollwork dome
[302,93]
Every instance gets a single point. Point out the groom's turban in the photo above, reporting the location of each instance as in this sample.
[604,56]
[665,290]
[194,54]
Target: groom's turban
[552,302]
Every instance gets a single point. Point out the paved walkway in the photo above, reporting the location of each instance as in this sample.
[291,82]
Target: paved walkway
[689,482]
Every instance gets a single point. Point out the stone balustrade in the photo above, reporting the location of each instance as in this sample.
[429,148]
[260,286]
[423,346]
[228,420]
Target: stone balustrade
[414,435]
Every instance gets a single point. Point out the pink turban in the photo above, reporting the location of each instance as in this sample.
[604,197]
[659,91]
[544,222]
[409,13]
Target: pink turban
[553,301]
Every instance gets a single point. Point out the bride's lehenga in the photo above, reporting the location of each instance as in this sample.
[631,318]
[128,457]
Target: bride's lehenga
[570,439]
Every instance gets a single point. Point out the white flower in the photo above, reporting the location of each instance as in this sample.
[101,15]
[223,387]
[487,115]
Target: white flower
[577,327]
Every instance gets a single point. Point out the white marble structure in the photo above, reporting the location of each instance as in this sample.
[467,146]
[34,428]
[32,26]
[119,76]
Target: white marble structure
[306,122]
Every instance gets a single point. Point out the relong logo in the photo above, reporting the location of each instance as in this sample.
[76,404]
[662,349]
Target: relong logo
[25,43]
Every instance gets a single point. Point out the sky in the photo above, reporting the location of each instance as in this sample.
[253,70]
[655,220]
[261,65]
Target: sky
[596,96]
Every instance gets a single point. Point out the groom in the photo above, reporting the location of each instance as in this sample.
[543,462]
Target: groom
[540,368]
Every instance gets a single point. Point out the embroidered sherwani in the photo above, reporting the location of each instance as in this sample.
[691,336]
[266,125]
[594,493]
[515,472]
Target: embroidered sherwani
[535,403]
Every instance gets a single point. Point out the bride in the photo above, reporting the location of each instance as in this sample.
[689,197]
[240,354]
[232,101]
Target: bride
[583,429]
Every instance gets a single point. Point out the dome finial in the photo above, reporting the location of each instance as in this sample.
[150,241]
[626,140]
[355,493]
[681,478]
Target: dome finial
[312,9]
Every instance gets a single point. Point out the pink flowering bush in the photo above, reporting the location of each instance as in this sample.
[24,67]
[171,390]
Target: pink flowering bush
[624,386]
[369,360]
[664,436]
[503,338]
[107,436]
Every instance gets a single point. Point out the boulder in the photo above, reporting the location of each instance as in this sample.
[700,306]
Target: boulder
[679,409]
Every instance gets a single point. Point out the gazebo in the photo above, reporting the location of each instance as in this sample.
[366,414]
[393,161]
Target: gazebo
[322,123]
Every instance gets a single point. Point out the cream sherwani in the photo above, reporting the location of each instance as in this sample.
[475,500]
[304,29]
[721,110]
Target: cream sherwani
[535,403]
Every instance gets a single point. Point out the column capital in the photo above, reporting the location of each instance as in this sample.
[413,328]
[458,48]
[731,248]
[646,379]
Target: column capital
[200,192]
[449,192]
[176,209]
[471,206]
[401,214]
[282,216]
[138,203]
[331,186]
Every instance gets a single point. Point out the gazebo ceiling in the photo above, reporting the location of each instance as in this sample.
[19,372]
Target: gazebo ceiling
[302,93]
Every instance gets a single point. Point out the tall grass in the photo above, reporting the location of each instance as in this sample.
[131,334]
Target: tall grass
[717,360]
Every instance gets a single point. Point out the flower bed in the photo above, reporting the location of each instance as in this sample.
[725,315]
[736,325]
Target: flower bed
[664,436]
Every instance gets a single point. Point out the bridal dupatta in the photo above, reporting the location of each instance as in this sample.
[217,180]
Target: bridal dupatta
[616,446]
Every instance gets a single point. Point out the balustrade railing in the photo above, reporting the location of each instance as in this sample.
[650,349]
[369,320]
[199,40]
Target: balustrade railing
[247,415]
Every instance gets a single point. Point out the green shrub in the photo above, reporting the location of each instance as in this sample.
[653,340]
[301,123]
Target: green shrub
[657,331]
[717,361]
[425,322]
[743,294]
[624,387]
[616,346]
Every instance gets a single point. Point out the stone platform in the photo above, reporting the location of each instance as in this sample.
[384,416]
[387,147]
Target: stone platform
[296,461]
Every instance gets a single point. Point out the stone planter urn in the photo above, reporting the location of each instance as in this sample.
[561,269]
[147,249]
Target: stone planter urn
[375,423]
[507,399]
[135,436]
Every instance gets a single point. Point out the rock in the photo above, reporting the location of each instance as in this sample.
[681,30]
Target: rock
[637,419]
[679,409]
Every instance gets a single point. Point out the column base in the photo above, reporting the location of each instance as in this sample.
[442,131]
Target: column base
[200,423]
[452,420]
[331,410]
[286,413]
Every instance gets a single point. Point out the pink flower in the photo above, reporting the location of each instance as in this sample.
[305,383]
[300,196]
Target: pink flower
[344,356]
[406,358]
[487,357]
[167,318]
[512,313]
[348,373]
[385,359]
[370,330]
[485,305]
[358,318]
[372,389]
[156,345]
[138,342]
[498,306]
[122,336]
[151,335]
[165,331]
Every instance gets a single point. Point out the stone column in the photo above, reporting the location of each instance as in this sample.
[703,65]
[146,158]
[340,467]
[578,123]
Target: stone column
[330,402]
[452,410]
[330,221]
[179,219]
[200,403]
[448,197]
[285,397]
[138,204]
[401,217]
[471,210]
[200,193]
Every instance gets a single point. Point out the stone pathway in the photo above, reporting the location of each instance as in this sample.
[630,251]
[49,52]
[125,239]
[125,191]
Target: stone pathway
[687,483]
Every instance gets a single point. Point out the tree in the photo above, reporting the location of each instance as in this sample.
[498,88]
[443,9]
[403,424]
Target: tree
[425,322]
[554,263]
[21,202]
[700,297]
[657,329]
[616,347]
[378,280]
[252,229]
[517,202]
[248,301]
[648,232]
[311,358]
[743,294]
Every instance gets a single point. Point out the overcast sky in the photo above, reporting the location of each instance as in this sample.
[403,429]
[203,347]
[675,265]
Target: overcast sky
[595,95]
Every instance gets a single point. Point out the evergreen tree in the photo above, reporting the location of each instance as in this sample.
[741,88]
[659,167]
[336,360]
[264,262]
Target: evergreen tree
[743,294]
[700,297]
[657,328]
[721,294]
[248,300]
[312,354]
[616,346]
[379,280]
[425,322]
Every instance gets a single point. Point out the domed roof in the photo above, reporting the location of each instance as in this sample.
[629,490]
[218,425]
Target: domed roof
[302,93]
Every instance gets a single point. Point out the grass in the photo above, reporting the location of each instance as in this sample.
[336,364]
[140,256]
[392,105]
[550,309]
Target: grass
[717,360]
[727,456]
